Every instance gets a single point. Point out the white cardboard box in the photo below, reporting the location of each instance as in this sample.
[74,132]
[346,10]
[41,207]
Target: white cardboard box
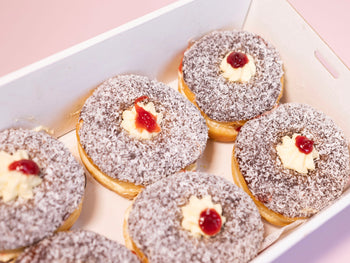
[51,92]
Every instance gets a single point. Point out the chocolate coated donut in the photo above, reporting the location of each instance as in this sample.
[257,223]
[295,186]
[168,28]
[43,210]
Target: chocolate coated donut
[154,222]
[283,190]
[60,194]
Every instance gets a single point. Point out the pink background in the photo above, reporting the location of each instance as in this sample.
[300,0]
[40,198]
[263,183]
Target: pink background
[33,30]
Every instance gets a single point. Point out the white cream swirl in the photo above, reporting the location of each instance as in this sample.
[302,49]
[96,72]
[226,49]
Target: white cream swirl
[241,74]
[15,183]
[292,158]
[129,121]
[191,214]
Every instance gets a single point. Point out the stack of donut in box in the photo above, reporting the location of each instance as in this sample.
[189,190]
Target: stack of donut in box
[141,139]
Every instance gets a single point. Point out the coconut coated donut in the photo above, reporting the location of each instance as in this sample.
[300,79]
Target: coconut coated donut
[77,246]
[153,226]
[226,104]
[126,164]
[284,194]
[56,202]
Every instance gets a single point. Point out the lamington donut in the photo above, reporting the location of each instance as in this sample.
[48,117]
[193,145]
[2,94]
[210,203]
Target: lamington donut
[231,76]
[133,131]
[77,246]
[41,189]
[293,162]
[193,217]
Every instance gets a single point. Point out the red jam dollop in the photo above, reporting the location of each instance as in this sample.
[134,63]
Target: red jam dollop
[237,59]
[210,222]
[25,166]
[145,119]
[304,144]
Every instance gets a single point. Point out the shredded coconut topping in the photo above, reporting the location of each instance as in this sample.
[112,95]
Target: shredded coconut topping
[223,100]
[24,222]
[155,221]
[180,143]
[77,246]
[284,190]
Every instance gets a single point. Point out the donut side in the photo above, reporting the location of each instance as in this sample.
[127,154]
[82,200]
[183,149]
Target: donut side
[129,243]
[219,131]
[125,189]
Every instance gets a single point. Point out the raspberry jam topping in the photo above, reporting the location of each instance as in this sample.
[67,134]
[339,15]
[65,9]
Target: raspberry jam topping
[304,144]
[210,222]
[25,166]
[145,119]
[237,59]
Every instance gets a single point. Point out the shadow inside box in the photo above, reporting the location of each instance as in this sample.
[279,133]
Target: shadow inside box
[322,244]
[204,162]
[90,202]
[103,211]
